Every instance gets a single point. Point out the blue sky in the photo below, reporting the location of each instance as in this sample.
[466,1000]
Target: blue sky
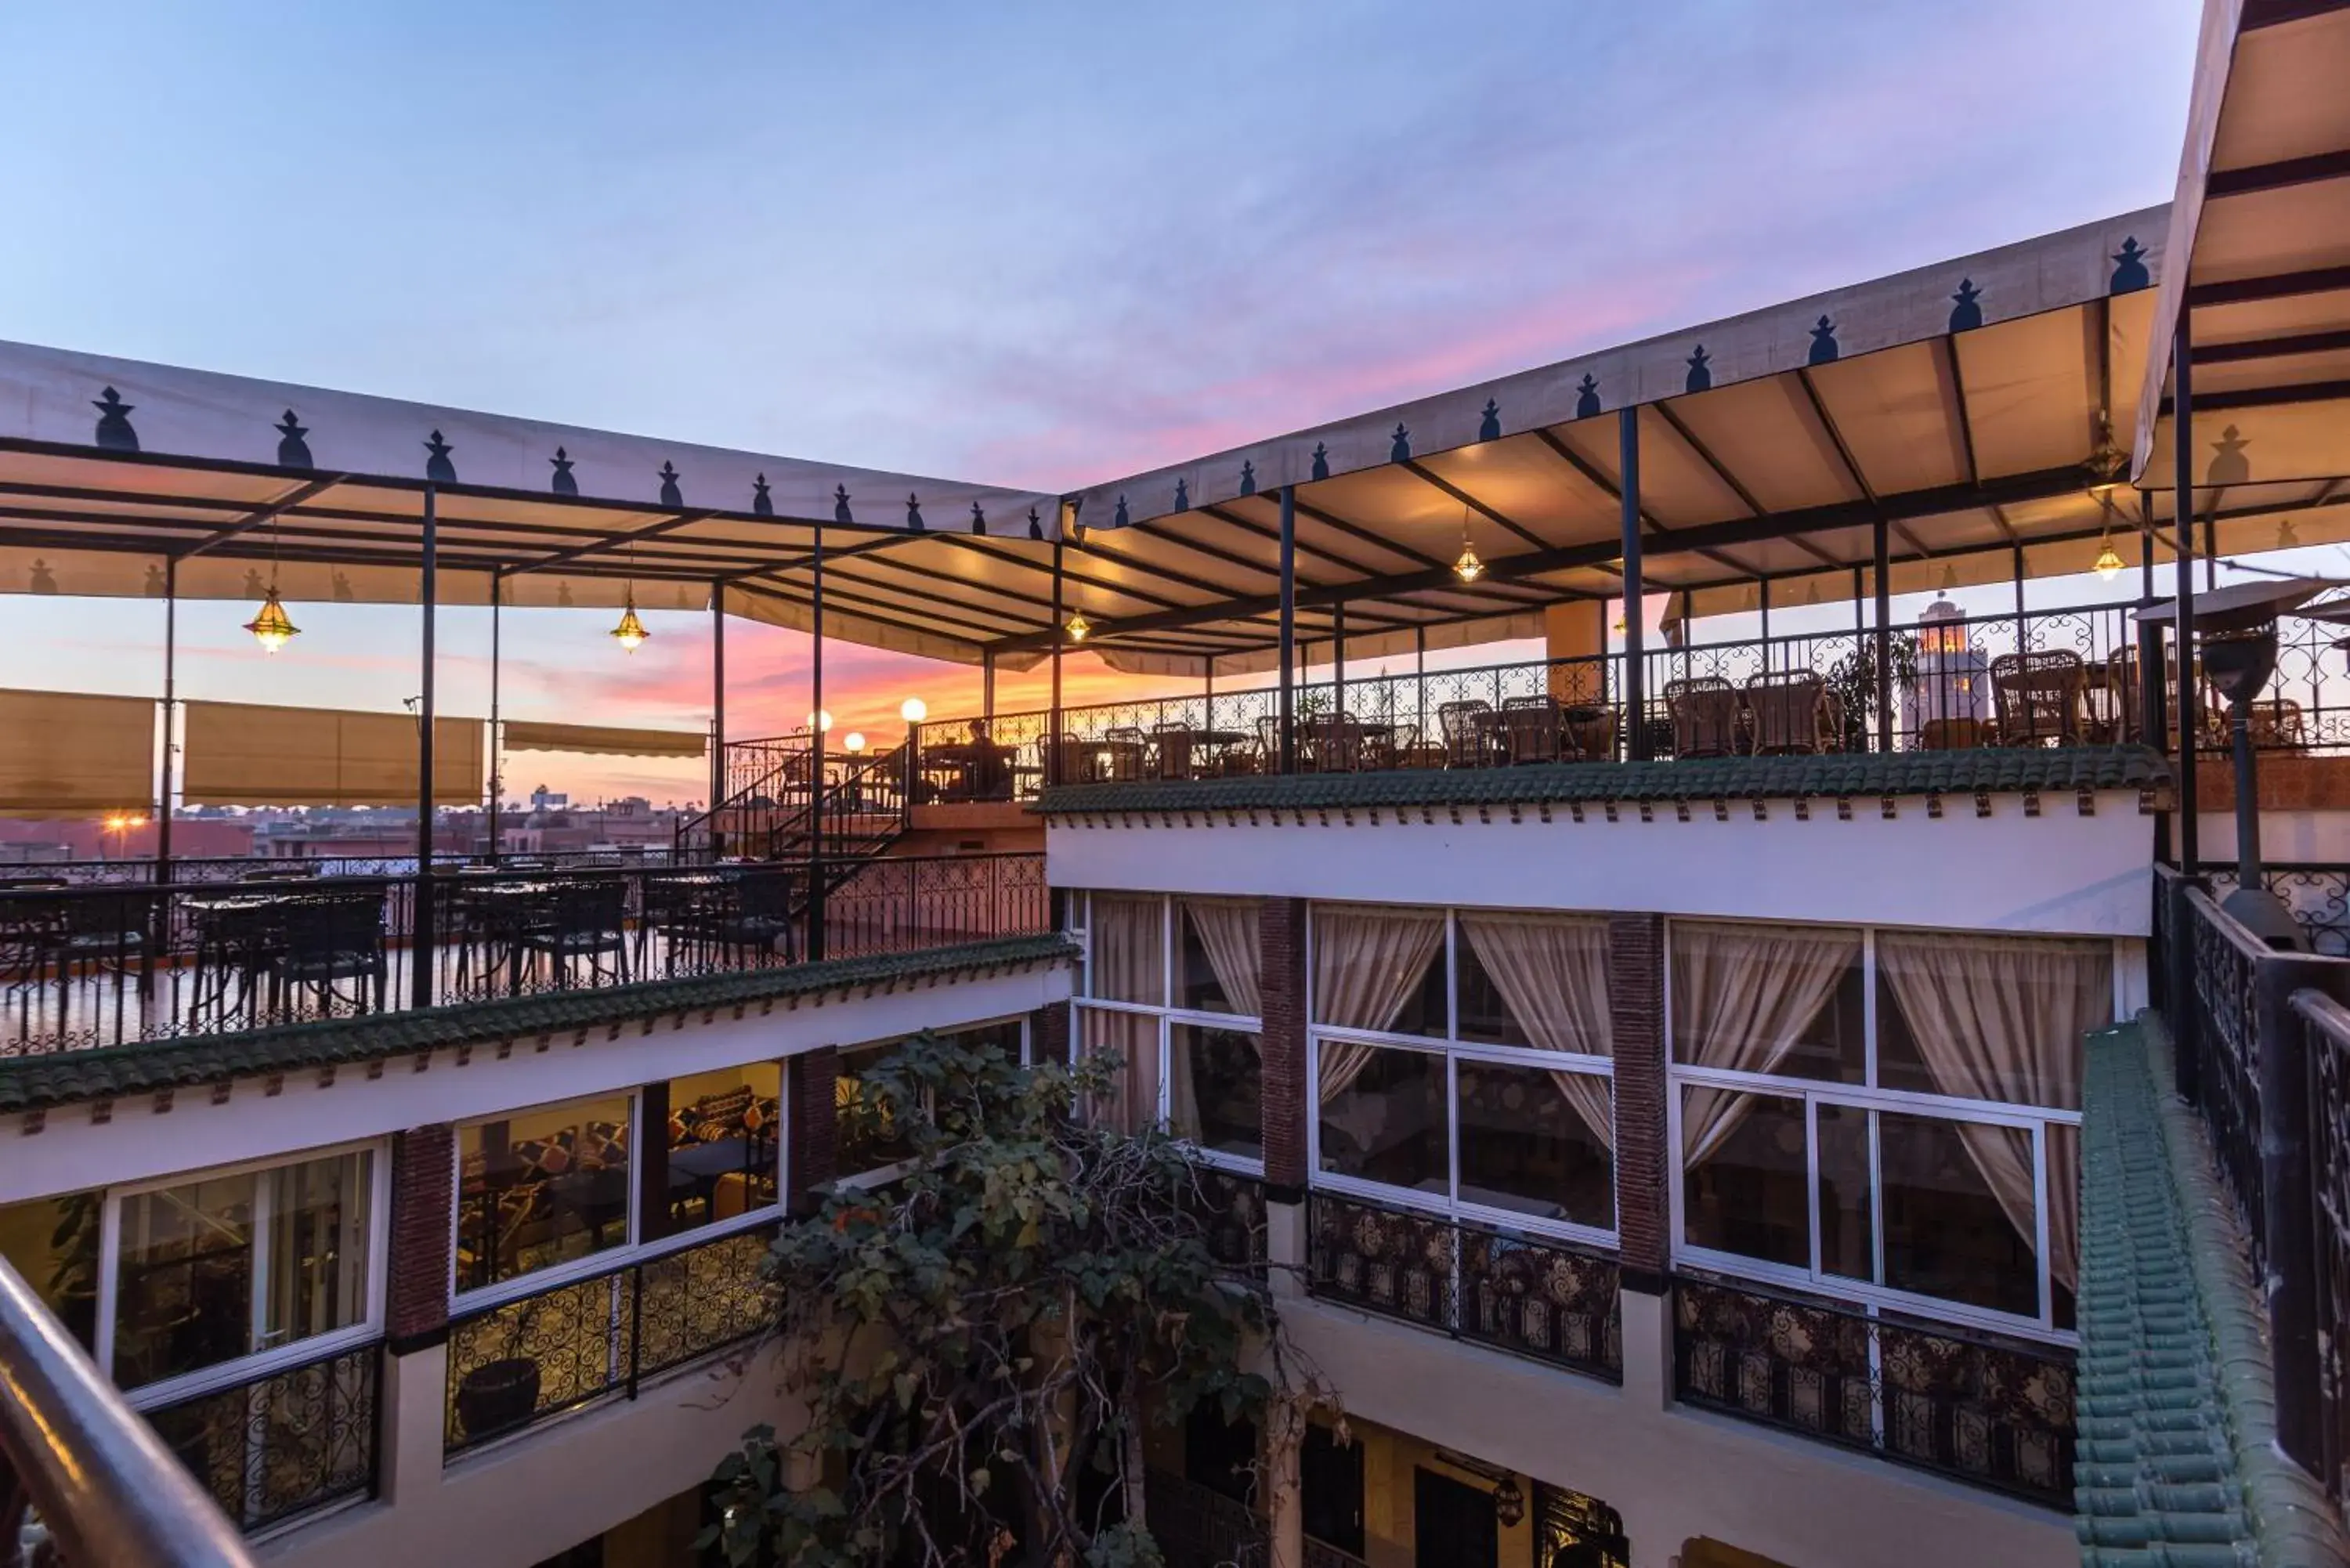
[1039,244]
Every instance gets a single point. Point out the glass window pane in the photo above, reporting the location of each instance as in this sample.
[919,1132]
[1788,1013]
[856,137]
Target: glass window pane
[1537,1142]
[53,1243]
[1129,949]
[1379,967]
[1990,1018]
[1847,1216]
[1483,1017]
[2063,1147]
[1215,1078]
[866,1133]
[541,1187]
[1132,1040]
[183,1291]
[1958,1212]
[1383,1116]
[724,1144]
[318,1259]
[1219,955]
[1786,999]
[1748,1191]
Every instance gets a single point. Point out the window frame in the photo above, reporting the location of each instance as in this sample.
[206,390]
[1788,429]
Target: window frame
[1080,928]
[1454,1050]
[1874,1297]
[536,1282]
[882,1175]
[750,1219]
[239,1370]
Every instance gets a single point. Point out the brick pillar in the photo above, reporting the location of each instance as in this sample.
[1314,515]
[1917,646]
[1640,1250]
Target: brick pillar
[1048,1035]
[810,1157]
[423,1228]
[1281,947]
[1636,1008]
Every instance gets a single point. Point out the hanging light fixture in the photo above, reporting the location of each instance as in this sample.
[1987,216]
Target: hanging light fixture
[1078,627]
[270,626]
[630,633]
[2109,561]
[1467,567]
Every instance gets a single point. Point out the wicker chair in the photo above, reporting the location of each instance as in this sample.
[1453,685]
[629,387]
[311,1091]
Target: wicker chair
[1126,754]
[2276,723]
[1330,746]
[1789,711]
[1533,729]
[1171,750]
[1469,738]
[1704,709]
[2042,697]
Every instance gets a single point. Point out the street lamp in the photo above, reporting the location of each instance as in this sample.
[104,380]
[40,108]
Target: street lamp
[913,710]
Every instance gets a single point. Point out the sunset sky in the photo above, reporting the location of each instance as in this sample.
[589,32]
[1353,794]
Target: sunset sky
[1038,245]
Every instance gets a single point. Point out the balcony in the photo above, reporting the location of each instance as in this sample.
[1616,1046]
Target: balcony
[106,956]
[2048,678]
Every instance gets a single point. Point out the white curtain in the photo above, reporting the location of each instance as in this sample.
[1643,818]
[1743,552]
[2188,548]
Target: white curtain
[1368,960]
[1228,934]
[2001,1018]
[1551,972]
[1131,1102]
[1742,998]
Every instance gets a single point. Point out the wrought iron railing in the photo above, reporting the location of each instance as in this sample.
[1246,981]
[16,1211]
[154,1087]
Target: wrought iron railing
[84,1482]
[2224,962]
[1531,1296]
[523,1361]
[2316,894]
[285,1444]
[2323,1025]
[1197,1528]
[1991,1412]
[1320,1553]
[1947,685]
[1231,1210]
[98,964]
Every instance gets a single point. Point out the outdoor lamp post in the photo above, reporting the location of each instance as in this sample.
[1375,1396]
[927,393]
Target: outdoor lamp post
[2235,628]
[913,710]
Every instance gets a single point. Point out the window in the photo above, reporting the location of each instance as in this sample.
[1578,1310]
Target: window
[724,1144]
[220,1267]
[1890,1116]
[53,1243]
[536,1189]
[867,1142]
[1171,989]
[1462,1061]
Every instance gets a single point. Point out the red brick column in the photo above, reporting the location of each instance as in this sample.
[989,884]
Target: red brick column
[810,1155]
[423,1232]
[1281,948]
[1048,1035]
[1636,1007]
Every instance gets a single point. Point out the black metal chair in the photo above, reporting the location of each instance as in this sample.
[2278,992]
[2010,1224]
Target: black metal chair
[581,920]
[331,938]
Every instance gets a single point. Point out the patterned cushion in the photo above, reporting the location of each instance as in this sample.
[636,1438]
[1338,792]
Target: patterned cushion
[541,1158]
[604,1146]
[714,1118]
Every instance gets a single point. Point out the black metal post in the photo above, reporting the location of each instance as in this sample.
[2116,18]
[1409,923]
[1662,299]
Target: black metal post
[2189,699]
[2211,548]
[1337,658]
[1762,588]
[1883,567]
[1635,681]
[717,712]
[497,751]
[1053,747]
[1288,759]
[419,945]
[2016,553]
[815,898]
[987,684]
[170,714]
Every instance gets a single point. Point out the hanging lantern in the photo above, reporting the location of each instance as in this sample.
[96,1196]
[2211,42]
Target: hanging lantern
[1468,569]
[270,626]
[630,633]
[1509,1502]
[2108,562]
[1078,627]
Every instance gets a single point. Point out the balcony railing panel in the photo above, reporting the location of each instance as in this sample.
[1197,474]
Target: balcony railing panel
[523,1361]
[1198,1528]
[1231,1210]
[101,963]
[2324,1027]
[1529,1296]
[285,1444]
[2224,961]
[1993,1413]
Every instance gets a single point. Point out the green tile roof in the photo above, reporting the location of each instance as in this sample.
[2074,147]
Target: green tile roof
[1983,771]
[33,1083]
[2176,1465]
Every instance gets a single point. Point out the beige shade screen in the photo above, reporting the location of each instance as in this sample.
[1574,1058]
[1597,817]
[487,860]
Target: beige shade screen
[242,754]
[596,740]
[63,751]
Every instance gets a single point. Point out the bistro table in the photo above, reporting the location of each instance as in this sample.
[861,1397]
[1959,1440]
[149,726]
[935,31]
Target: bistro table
[240,936]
